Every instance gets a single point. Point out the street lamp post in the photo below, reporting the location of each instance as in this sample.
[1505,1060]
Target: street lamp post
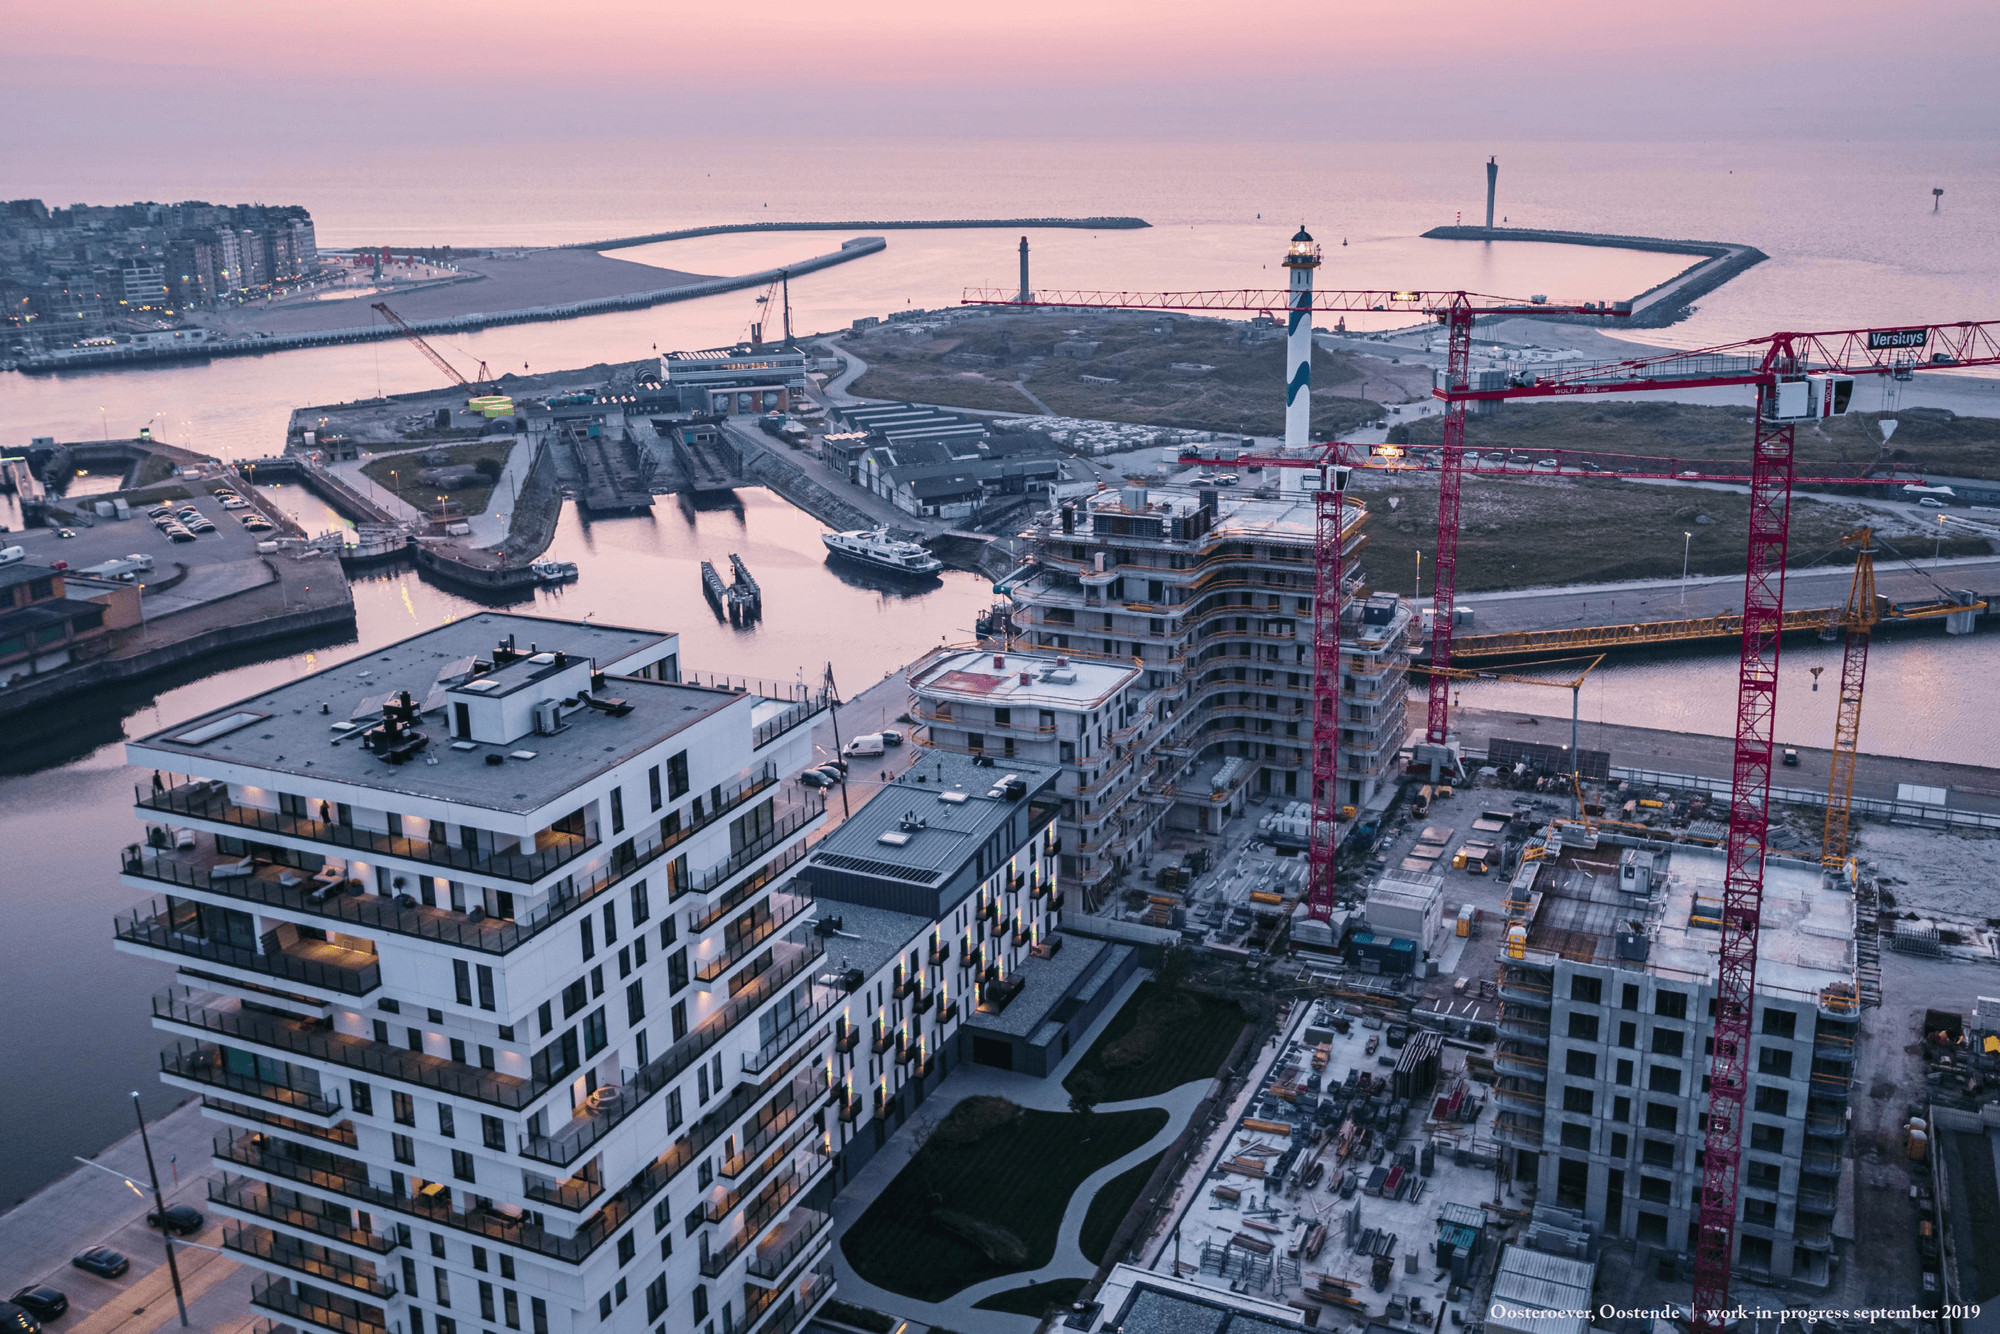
[160,1203]
[1687,541]
[1420,573]
[1937,551]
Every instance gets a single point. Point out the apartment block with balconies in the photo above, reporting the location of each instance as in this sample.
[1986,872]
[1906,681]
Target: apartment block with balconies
[1606,1032]
[1093,718]
[940,906]
[486,974]
[1211,598]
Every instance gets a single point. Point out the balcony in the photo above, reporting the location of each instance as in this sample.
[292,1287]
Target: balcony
[313,1041]
[760,1060]
[307,1259]
[850,1108]
[1826,1124]
[245,1196]
[209,800]
[572,1194]
[760,1213]
[940,952]
[774,1118]
[309,963]
[846,1038]
[788,1314]
[789,1240]
[341,1133]
[805,1140]
[340,1315]
[784,909]
[1818,1161]
[588,1127]
[787,824]
[1522,1133]
[204,1064]
[1520,1064]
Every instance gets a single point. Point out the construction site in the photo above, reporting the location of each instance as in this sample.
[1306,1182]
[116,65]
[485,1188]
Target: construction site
[1564,1039]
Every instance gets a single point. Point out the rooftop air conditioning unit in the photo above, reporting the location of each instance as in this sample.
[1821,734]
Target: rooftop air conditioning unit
[548,717]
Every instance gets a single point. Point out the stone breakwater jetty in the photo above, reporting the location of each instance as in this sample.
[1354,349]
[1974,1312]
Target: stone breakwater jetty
[944,224]
[1658,306]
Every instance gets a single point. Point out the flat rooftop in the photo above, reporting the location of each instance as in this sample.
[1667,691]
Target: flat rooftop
[931,818]
[291,728]
[868,938]
[978,677]
[1140,1301]
[1805,937]
[1044,983]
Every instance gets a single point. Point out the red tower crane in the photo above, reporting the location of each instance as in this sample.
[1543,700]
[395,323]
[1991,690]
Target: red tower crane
[402,326]
[1798,377]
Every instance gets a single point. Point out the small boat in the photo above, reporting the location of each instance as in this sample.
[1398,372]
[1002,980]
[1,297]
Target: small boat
[882,551]
[553,571]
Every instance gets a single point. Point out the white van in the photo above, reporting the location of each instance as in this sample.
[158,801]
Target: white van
[867,744]
[13,555]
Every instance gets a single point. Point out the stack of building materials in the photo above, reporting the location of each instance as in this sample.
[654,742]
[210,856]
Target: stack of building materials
[1535,1293]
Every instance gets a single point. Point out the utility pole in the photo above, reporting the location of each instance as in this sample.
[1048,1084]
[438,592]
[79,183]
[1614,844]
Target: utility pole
[1687,541]
[160,1204]
[833,716]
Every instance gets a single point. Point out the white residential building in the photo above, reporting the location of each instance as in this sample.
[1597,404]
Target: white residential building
[486,981]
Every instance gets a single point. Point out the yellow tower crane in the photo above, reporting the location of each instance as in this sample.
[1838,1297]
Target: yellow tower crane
[1857,619]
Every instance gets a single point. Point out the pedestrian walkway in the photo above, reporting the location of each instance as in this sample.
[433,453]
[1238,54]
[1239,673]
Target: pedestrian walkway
[967,1081]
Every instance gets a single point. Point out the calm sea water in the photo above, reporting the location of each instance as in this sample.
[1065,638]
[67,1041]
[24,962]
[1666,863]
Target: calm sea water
[1850,230]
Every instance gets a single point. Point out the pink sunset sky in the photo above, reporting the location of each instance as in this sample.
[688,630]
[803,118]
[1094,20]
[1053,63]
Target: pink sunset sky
[460,70]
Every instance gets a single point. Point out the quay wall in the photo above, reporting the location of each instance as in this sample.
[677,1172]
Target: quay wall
[1658,306]
[732,228]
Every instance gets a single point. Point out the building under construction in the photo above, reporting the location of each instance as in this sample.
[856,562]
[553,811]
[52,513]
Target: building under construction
[1211,600]
[1607,987]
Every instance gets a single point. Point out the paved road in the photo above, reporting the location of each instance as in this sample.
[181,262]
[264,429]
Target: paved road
[1709,595]
[1972,788]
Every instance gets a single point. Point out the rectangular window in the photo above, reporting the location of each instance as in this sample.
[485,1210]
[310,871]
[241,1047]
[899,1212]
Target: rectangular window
[1621,1109]
[628,1246]
[1583,1026]
[1667,1041]
[1658,1153]
[640,911]
[1581,1063]
[1577,1099]
[574,997]
[1663,1079]
[462,976]
[361,1097]
[404,1108]
[538,1314]
[405,1149]
[635,1003]
[1575,1136]
[1662,1116]
[487,1305]
[1670,1004]
[1589,990]
[604,1307]
[1619,1145]
[1762,1212]
[617,810]
[589,938]
[597,980]
[1774,1061]
[441,1283]
[1656,1190]
[546,1013]
[677,971]
[458,1050]
[680,1020]
[486,1001]
[1780,1023]
[673,1115]
[1629,999]
[653,786]
[656,1298]
[461,1165]
[677,776]
[510,1306]
[610,925]
[1628,1033]
[1624,1072]
[1773,1101]
[493,1133]
[447,1124]
[595,1038]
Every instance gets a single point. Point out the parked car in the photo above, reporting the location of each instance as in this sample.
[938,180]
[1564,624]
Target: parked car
[819,778]
[41,1303]
[890,736]
[1932,503]
[17,1320]
[65,532]
[1791,758]
[182,1220]
[102,1261]
[179,534]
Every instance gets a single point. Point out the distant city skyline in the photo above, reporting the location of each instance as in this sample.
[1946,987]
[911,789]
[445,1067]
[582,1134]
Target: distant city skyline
[373,75]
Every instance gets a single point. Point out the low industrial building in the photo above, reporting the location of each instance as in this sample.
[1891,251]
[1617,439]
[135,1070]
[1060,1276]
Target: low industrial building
[50,619]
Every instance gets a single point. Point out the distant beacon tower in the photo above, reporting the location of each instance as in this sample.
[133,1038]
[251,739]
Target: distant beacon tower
[1301,258]
[1027,294]
[1492,180]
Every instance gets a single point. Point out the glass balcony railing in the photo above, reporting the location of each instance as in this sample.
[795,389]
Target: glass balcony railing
[205,1064]
[335,1314]
[309,1260]
[314,964]
[254,1197]
[207,800]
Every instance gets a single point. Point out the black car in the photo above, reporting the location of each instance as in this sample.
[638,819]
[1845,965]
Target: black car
[15,1320]
[41,1303]
[182,1219]
[102,1261]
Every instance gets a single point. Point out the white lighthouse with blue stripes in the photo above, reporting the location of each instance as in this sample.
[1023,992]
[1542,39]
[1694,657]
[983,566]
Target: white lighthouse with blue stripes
[1301,258]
